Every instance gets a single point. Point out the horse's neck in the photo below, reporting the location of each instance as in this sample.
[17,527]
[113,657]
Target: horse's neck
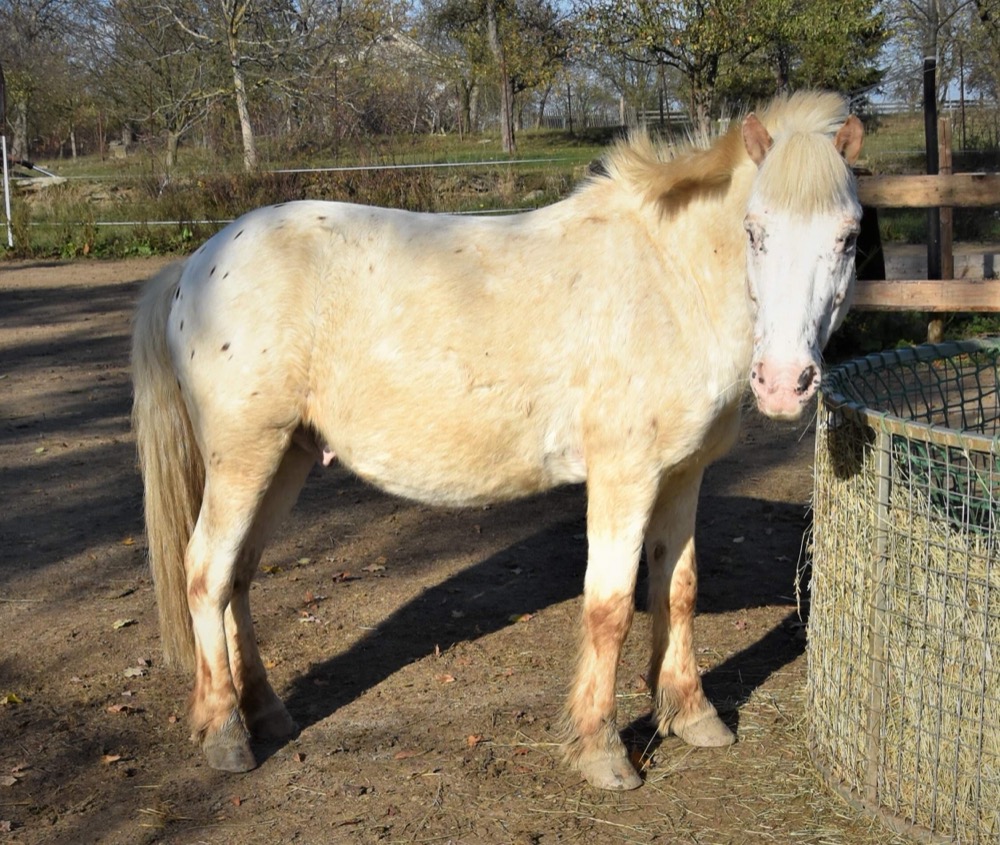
[713,268]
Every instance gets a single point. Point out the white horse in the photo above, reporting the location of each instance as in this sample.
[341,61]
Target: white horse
[605,339]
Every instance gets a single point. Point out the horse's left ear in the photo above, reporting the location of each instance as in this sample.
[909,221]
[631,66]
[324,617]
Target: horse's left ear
[849,138]
[756,138]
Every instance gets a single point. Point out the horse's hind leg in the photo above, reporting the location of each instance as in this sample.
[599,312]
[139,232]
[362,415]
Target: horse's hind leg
[679,700]
[263,711]
[236,482]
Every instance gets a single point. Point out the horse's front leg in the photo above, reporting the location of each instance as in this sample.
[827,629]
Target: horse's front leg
[616,517]
[679,701]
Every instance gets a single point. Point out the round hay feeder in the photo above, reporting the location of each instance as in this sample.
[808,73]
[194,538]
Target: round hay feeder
[904,624]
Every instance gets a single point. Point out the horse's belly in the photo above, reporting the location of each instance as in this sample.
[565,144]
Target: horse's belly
[454,452]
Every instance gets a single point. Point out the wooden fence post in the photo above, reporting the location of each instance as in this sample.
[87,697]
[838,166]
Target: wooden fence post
[935,327]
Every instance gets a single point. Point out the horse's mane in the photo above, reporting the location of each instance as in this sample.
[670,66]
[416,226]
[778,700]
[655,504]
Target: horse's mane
[802,126]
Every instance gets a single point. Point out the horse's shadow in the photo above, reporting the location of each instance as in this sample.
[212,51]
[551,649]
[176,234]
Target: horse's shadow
[541,571]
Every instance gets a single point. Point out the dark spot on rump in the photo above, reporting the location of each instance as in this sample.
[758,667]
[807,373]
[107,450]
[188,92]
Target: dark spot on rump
[659,550]
[225,275]
[177,293]
[182,325]
[263,351]
[371,268]
[212,272]
[240,232]
[460,249]
[192,354]
[225,346]
[321,217]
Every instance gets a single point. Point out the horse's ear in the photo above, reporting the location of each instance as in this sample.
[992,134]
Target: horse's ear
[849,138]
[756,138]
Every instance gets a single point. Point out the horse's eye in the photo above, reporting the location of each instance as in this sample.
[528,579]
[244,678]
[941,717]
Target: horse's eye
[847,242]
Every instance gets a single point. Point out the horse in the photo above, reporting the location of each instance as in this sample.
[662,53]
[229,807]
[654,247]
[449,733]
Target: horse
[606,339]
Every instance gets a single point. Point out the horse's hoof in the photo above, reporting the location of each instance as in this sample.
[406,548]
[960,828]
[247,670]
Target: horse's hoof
[705,730]
[609,771]
[229,757]
[228,749]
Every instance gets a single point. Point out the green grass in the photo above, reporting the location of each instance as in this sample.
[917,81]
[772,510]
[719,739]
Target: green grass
[71,220]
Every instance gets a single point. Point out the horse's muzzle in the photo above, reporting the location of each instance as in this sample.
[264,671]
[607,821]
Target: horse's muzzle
[782,392]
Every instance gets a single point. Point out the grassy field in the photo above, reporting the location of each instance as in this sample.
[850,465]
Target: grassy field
[134,206]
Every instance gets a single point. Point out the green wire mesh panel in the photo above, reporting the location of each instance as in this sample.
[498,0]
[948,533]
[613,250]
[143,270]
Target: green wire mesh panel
[904,626]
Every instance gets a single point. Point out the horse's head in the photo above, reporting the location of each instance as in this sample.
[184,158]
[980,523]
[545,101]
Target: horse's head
[802,223]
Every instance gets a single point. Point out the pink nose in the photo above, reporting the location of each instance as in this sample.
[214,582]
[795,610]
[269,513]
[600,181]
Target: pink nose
[782,392]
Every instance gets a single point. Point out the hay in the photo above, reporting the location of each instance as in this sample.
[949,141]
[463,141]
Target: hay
[904,630]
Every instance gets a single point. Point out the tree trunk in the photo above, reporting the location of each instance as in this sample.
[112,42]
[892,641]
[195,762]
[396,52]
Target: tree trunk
[242,102]
[506,88]
[19,138]
[171,153]
[540,121]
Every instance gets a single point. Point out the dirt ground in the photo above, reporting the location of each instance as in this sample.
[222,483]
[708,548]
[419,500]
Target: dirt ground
[425,653]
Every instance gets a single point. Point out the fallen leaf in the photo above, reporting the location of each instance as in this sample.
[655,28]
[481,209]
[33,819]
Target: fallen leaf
[271,570]
[373,567]
[406,754]
[172,719]
[306,616]
[521,617]
[39,450]
[473,740]
[124,708]
[144,661]
[339,577]
[11,698]
[122,623]
[128,541]
[236,800]
[299,757]
[135,672]
[6,825]
[445,679]
[10,780]
[108,759]
[738,539]
[302,561]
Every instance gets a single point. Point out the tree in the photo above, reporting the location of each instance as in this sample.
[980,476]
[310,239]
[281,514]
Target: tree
[33,44]
[694,36]
[154,75]
[521,43]
[811,44]
[742,49]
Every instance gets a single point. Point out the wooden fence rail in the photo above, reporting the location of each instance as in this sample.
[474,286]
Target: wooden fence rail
[945,191]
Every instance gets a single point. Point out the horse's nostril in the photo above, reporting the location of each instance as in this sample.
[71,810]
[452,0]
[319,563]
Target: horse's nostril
[806,379]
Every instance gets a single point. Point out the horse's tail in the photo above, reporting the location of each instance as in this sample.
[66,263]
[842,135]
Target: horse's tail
[173,472]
